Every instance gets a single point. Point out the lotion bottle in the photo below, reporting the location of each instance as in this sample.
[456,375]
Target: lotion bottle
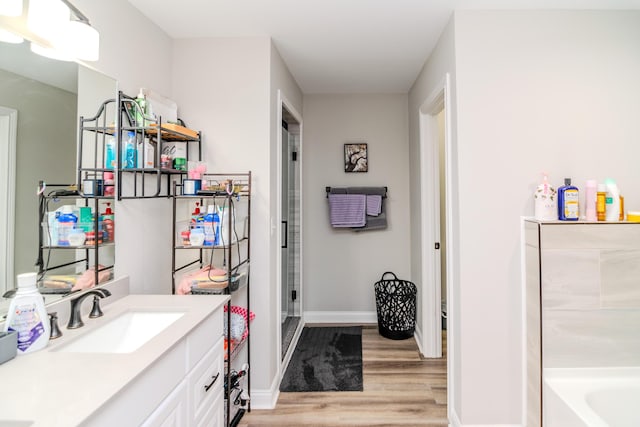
[27,316]
[568,202]
[590,200]
[612,201]
[546,203]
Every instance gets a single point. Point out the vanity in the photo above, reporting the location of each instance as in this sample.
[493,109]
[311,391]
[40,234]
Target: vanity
[151,360]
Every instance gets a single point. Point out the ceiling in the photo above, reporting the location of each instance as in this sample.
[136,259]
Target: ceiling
[340,46]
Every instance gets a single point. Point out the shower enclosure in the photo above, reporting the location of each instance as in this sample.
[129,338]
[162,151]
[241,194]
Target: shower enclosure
[290,303]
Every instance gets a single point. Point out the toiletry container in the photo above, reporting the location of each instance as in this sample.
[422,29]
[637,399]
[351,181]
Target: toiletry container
[601,202]
[545,201]
[146,154]
[568,202]
[197,219]
[209,230]
[590,197]
[108,225]
[27,316]
[141,111]
[224,224]
[612,201]
[110,152]
[621,218]
[129,151]
[218,240]
[66,222]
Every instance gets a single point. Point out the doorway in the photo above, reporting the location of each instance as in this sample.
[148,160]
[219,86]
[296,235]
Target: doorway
[436,231]
[290,226]
[8,132]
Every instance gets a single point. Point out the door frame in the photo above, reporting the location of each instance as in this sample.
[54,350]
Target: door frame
[439,100]
[283,102]
[8,138]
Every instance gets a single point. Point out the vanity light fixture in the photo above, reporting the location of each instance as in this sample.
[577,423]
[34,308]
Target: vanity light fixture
[65,28]
[11,7]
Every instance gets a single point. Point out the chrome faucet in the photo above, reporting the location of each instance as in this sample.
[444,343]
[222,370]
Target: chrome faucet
[75,319]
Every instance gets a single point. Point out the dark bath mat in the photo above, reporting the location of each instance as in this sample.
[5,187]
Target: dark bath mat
[326,359]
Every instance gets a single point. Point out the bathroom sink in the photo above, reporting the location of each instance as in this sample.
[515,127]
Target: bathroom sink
[124,334]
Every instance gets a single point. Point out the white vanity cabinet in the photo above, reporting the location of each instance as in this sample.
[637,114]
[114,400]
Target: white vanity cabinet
[193,401]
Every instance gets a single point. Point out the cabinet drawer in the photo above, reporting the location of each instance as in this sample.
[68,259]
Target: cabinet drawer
[206,381]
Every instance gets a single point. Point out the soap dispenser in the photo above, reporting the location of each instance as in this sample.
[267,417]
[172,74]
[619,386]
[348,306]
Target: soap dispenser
[546,202]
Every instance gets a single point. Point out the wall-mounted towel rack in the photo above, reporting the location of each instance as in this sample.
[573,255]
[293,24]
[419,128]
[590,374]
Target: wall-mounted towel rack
[384,196]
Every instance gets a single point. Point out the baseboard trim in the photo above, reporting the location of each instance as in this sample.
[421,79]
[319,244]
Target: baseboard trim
[266,398]
[340,317]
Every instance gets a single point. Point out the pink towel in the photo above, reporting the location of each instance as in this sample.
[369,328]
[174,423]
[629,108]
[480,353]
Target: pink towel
[347,210]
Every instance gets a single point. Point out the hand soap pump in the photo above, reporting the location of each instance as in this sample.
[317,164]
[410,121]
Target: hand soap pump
[546,203]
[568,202]
[27,316]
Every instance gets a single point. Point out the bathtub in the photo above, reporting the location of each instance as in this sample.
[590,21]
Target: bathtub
[591,397]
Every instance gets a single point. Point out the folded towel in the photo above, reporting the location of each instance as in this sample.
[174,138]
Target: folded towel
[347,210]
[374,205]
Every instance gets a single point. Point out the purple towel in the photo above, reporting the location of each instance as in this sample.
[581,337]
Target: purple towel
[374,204]
[347,210]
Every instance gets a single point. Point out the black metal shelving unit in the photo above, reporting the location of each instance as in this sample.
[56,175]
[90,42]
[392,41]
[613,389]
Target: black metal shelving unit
[226,189]
[58,194]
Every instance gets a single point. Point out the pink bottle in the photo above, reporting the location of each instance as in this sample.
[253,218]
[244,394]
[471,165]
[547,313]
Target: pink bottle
[590,200]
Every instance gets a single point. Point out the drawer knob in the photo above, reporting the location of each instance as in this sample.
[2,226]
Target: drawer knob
[213,381]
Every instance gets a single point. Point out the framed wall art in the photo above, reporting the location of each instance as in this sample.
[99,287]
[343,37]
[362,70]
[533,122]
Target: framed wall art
[356,157]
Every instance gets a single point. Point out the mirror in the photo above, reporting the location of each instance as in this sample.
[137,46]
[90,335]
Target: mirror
[40,102]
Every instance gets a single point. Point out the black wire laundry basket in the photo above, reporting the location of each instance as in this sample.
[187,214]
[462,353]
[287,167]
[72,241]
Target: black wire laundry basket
[396,307]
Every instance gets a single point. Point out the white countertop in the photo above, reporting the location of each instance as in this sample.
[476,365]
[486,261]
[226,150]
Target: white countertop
[52,388]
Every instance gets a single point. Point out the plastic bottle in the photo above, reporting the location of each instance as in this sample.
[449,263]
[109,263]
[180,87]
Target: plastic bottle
[209,226]
[197,219]
[601,202]
[129,151]
[568,202]
[108,224]
[27,316]
[110,152]
[66,222]
[590,200]
[612,201]
[217,229]
[141,112]
[545,201]
[621,208]
[225,223]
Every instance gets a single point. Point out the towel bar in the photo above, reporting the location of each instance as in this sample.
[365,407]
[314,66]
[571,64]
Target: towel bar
[384,196]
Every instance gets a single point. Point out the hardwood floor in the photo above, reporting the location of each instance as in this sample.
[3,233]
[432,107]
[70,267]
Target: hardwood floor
[400,389]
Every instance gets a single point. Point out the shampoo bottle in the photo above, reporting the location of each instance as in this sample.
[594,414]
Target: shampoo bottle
[141,110]
[27,316]
[568,202]
[209,231]
[612,201]
[590,200]
[110,152]
[546,207]
[129,151]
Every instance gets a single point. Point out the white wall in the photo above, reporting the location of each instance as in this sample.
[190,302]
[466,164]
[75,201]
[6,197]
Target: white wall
[538,90]
[225,94]
[341,266]
[440,62]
